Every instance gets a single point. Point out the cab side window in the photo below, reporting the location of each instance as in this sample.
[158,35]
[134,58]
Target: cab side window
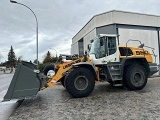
[101,50]
[111,45]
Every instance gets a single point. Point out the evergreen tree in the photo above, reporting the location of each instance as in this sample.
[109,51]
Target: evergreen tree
[53,59]
[47,58]
[11,58]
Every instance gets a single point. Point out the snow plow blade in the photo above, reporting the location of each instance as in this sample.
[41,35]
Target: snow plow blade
[26,82]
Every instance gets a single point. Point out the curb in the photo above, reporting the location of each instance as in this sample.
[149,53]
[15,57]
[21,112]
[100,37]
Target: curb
[18,103]
[154,76]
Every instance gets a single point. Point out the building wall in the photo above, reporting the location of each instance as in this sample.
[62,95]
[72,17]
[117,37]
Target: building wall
[96,21]
[74,48]
[81,47]
[122,17]
[87,39]
[108,29]
[117,17]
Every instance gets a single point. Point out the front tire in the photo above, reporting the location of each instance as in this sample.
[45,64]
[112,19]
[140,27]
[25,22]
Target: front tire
[135,77]
[63,81]
[79,82]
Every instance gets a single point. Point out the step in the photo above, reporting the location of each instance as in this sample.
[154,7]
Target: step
[116,77]
[117,83]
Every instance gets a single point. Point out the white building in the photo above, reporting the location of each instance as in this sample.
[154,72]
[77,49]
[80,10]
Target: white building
[127,25]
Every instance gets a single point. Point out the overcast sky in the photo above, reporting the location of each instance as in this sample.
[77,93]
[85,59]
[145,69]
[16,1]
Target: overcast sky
[59,21]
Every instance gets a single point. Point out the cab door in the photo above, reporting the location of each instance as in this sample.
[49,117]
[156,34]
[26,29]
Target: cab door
[111,49]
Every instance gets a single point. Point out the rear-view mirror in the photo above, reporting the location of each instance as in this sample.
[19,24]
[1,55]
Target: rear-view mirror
[89,47]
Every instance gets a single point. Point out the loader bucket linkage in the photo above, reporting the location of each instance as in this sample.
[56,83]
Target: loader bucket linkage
[26,82]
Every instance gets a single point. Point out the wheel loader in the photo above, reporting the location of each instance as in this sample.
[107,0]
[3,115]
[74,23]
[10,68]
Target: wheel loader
[106,60]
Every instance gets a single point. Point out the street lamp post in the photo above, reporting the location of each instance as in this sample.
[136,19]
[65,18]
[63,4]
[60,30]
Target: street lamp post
[55,50]
[36,24]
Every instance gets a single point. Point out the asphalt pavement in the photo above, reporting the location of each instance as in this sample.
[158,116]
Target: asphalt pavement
[105,103]
[6,108]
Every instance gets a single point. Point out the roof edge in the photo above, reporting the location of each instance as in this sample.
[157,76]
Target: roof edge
[115,11]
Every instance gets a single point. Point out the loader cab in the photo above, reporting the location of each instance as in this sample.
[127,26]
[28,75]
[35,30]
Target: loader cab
[104,48]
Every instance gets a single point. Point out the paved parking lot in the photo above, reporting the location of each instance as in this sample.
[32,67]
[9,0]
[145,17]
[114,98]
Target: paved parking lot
[105,103]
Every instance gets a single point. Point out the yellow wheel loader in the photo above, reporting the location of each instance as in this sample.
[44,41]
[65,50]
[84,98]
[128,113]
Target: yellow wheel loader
[107,61]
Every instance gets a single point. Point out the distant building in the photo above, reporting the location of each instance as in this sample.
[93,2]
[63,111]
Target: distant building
[2,68]
[127,25]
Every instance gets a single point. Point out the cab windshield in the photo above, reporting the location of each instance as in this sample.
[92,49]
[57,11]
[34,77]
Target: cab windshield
[103,46]
[97,48]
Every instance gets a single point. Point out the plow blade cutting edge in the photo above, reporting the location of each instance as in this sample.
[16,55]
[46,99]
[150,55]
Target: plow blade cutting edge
[25,82]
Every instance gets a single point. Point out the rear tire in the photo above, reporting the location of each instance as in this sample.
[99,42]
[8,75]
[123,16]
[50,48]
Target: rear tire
[47,68]
[135,77]
[79,82]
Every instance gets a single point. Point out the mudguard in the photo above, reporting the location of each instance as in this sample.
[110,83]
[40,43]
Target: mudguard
[90,66]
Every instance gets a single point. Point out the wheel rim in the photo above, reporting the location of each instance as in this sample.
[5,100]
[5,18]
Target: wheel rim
[50,73]
[138,79]
[81,83]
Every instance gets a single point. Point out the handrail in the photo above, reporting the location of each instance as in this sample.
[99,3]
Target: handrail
[152,52]
[142,45]
[137,41]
